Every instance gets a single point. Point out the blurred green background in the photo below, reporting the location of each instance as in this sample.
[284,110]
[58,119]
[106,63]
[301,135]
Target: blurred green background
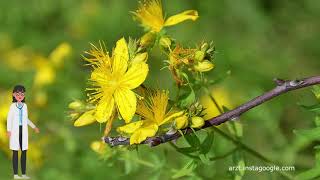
[257,40]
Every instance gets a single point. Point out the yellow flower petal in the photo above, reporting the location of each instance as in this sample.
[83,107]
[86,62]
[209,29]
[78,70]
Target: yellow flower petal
[178,18]
[141,134]
[85,119]
[126,102]
[136,75]
[104,109]
[120,57]
[172,116]
[130,128]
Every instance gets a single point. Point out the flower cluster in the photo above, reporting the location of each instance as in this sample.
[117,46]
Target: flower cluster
[117,90]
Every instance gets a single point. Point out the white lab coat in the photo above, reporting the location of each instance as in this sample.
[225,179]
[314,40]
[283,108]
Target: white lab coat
[13,127]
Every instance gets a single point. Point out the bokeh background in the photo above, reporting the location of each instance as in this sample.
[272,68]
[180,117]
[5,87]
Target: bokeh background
[41,43]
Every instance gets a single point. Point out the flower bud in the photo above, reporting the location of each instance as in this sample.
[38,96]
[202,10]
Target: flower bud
[147,39]
[165,42]
[74,115]
[197,122]
[181,122]
[85,119]
[204,66]
[76,105]
[204,47]
[199,55]
[140,57]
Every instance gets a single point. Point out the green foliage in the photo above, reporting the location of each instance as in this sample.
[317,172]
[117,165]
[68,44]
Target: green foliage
[312,135]
[256,40]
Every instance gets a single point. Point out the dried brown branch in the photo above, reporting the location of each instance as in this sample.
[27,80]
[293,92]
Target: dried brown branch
[283,86]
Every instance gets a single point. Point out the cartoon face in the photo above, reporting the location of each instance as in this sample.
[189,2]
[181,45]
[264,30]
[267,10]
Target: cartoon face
[19,96]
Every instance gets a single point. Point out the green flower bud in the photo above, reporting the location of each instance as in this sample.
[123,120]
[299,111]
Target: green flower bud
[197,122]
[204,47]
[203,66]
[147,39]
[140,57]
[165,42]
[74,115]
[76,105]
[199,56]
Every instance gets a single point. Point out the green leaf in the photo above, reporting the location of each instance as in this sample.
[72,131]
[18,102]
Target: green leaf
[316,91]
[184,75]
[310,134]
[220,78]
[238,161]
[313,108]
[317,121]
[309,174]
[189,99]
[225,109]
[187,170]
[204,159]
[187,150]
[192,140]
[317,155]
[132,47]
[234,127]
[207,143]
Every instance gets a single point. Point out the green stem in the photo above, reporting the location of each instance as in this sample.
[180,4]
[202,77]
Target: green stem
[140,161]
[196,157]
[223,155]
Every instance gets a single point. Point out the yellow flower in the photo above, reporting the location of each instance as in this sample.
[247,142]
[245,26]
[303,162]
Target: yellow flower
[58,55]
[113,79]
[45,72]
[153,111]
[150,14]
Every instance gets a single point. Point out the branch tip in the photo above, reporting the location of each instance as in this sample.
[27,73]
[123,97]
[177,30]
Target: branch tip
[278,81]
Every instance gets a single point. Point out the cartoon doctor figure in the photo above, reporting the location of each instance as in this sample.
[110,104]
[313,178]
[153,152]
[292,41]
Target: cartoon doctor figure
[17,130]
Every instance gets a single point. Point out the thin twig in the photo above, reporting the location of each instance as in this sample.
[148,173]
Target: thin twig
[281,88]
[246,148]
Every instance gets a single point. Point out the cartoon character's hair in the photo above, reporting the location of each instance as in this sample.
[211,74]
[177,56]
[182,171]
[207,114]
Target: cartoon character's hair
[18,88]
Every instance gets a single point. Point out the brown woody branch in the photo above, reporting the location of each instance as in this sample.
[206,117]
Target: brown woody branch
[283,86]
